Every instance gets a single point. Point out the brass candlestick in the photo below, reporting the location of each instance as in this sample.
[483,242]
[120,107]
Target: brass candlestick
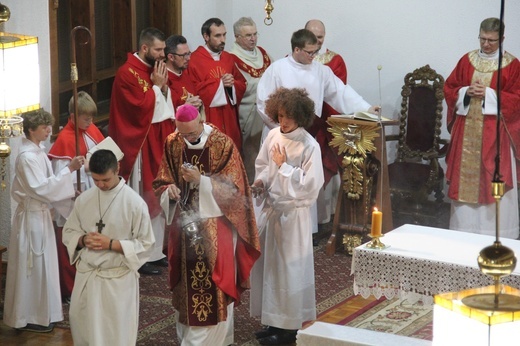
[375,243]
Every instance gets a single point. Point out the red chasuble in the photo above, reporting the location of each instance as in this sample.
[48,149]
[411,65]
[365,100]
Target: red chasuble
[131,112]
[222,274]
[509,131]
[180,86]
[318,130]
[206,74]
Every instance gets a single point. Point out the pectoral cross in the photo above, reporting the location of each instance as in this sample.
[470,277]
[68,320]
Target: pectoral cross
[100,225]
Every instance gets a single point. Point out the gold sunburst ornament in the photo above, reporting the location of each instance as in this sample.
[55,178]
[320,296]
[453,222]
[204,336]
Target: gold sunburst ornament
[354,139]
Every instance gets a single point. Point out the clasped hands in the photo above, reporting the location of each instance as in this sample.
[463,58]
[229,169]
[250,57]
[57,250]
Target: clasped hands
[95,241]
[477,89]
[228,80]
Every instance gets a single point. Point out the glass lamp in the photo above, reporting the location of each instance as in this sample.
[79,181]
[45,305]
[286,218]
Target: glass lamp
[19,88]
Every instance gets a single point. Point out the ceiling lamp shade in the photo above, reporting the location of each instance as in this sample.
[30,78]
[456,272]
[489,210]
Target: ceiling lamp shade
[19,74]
[19,88]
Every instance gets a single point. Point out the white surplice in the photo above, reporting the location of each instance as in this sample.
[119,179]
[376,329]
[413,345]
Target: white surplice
[317,79]
[282,280]
[104,308]
[32,293]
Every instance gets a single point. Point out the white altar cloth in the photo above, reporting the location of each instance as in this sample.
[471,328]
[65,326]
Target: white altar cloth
[321,333]
[423,261]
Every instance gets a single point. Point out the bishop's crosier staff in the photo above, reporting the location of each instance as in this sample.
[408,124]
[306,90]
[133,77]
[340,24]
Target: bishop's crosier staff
[74,80]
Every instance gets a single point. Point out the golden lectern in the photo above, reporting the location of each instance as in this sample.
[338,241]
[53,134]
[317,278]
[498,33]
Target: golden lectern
[364,179]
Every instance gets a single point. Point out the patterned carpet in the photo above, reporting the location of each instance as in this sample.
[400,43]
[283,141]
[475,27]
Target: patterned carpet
[333,288]
[396,317]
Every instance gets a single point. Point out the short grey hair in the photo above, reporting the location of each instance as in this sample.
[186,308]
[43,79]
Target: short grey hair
[243,21]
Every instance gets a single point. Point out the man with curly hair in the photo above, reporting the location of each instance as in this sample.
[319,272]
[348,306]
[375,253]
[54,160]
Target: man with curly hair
[289,176]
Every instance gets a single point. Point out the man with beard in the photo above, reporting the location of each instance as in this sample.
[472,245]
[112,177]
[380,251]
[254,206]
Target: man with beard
[218,81]
[141,117]
[178,55]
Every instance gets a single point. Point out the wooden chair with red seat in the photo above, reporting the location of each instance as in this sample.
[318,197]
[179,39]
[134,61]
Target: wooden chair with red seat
[416,172]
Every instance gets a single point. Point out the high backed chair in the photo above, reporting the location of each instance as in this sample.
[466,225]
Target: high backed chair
[416,172]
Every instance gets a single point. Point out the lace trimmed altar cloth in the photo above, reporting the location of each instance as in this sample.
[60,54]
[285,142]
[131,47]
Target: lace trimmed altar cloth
[423,261]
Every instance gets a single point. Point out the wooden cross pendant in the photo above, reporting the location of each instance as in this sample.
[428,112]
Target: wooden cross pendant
[100,225]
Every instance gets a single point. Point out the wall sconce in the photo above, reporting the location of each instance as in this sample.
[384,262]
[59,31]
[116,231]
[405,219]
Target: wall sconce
[19,87]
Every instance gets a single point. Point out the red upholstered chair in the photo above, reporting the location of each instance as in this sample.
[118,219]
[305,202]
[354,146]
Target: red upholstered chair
[416,172]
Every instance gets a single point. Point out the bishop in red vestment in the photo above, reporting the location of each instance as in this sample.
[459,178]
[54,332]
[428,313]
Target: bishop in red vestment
[217,266]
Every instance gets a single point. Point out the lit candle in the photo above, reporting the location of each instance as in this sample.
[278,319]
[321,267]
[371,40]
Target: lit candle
[377,223]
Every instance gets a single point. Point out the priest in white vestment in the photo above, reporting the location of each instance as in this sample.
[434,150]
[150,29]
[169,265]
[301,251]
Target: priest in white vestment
[109,237]
[289,176]
[32,295]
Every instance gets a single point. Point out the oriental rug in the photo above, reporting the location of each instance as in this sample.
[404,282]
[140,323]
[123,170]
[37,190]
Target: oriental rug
[335,299]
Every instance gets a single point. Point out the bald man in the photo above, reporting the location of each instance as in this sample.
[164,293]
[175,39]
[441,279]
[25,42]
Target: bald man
[328,195]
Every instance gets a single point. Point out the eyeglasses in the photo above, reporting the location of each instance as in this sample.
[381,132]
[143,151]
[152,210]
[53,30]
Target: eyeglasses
[311,54]
[250,36]
[185,55]
[490,41]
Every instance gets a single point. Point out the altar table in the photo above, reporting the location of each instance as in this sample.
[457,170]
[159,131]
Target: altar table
[422,261]
[321,333]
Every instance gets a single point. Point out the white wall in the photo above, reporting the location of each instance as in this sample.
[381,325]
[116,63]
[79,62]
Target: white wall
[399,35]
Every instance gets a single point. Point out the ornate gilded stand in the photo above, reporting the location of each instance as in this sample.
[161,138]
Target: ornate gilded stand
[359,144]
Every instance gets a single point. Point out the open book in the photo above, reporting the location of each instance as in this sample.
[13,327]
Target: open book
[361,116]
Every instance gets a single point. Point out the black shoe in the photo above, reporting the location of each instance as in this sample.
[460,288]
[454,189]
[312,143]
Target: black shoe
[148,269]
[282,338]
[36,328]
[267,331]
[163,262]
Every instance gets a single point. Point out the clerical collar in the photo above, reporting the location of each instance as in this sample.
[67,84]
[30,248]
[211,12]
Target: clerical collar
[175,73]
[491,56]
[144,62]
[252,53]
[201,141]
[214,55]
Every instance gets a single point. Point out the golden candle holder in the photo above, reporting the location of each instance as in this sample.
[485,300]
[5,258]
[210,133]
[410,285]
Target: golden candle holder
[375,243]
